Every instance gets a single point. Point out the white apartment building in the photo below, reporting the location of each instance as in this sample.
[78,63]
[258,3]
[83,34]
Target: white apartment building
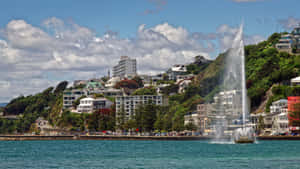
[277,106]
[125,68]
[130,103]
[88,105]
[285,43]
[281,121]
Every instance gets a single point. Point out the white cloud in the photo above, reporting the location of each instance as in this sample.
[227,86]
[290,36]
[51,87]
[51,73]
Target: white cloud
[289,23]
[34,58]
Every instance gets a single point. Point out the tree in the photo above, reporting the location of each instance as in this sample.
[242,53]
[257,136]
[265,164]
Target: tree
[145,91]
[60,87]
[121,118]
[190,127]
[130,84]
[261,123]
[139,81]
[77,101]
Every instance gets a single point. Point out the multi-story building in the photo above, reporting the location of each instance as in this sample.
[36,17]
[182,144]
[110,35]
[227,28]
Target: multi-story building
[88,105]
[69,96]
[175,71]
[280,121]
[193,118]
[288,42]
[277,106]
[285,43]
[126,68]
[128,104]
[229,103]
[200,118]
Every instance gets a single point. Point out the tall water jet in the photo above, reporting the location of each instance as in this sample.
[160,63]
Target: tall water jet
[231,103]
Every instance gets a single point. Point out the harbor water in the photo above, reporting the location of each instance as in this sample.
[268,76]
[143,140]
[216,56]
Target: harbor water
[149,154]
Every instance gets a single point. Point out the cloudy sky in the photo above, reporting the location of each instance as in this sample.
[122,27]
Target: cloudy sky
[44,42]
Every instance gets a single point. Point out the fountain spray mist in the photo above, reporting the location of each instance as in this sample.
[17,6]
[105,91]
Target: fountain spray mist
[232,105]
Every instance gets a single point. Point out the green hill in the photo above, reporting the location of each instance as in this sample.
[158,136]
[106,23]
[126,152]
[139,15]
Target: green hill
[265,66]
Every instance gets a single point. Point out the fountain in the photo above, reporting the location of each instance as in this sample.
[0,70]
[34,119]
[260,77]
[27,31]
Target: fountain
[231,103]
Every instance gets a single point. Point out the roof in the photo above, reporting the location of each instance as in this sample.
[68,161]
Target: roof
[296,79]
[87,99]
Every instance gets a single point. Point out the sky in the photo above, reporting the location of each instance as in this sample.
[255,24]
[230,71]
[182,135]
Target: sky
[45,42]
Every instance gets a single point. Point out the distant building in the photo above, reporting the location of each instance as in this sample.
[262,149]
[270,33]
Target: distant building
[285,43]
[112,82]
[89,105]
[129,103]
[293,112]
[69,96]
[193,118]
[204,111]
[295,81]
[288,42]
[296,36]
[79,82]
[277,106]
[94,85]
[280,121]
[175,71]
[200,118]
[229,103]
[126,68]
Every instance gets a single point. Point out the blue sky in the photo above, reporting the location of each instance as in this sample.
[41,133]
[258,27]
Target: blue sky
[44,42]
[125,16]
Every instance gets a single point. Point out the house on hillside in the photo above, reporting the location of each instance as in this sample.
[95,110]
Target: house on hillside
[295,81]
[89,105]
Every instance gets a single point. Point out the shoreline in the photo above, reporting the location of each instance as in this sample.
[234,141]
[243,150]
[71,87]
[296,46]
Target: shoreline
[96,137]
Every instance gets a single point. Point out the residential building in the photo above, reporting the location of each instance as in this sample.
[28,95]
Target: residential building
[94,85]
[157,77]
[126,68]
[204,112]
[281,122]
[183,84]
[184,77]
[160,87]
[70,95]
[175,71]
[192,117]
[285,43]
[89,105]
[293,113]
[290,42]
[112,82]
[229,103]
[277,106]
[200,118]
[79,82]
[295,81]
[129,103]
[111,92]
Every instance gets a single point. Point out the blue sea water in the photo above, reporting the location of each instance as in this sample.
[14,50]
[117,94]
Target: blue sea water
[149,154]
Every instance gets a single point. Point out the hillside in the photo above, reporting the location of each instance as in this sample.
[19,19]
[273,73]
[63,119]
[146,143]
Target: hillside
[265,66]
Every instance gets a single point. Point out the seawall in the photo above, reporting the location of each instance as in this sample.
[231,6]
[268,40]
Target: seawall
[97,137]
